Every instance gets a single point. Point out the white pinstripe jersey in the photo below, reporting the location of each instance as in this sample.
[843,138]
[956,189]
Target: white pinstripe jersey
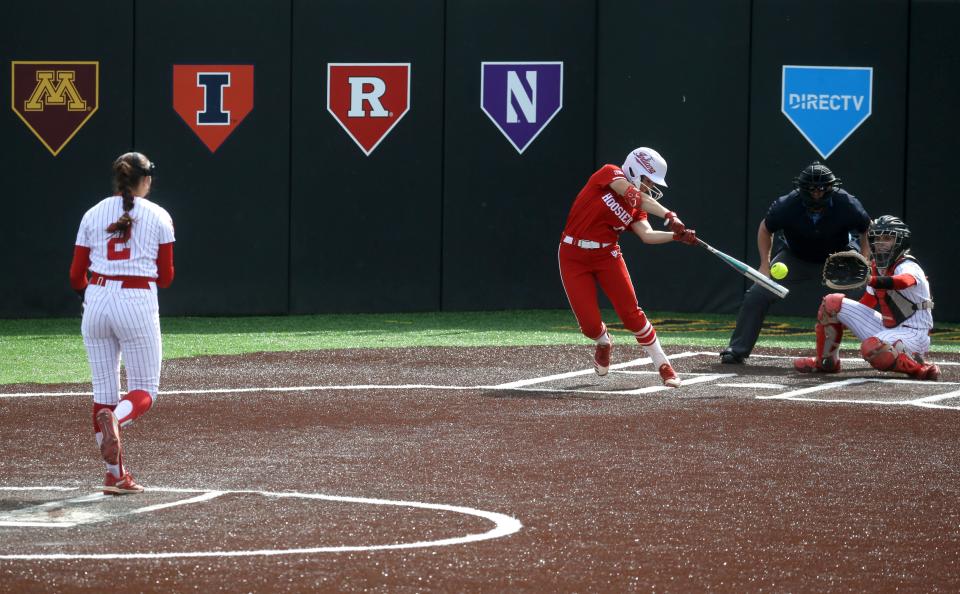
[137,256]
[918,293]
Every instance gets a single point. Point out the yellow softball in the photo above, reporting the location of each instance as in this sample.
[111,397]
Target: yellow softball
[778,270]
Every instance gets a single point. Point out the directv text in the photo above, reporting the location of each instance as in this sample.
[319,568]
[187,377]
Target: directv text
[825,101]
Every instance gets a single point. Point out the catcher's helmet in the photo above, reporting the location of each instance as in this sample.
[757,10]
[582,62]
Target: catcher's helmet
[815,176]
[646,161]
[885,227]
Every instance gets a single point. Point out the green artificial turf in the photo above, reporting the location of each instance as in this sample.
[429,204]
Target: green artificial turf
[51,350]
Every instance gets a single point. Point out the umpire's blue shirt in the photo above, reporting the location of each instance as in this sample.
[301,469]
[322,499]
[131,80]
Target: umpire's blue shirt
[814,236]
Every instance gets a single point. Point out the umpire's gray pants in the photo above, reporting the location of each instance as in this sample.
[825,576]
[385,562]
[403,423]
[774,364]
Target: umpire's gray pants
[804,279]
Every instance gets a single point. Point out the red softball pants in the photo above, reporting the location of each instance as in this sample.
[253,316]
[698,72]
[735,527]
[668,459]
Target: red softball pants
[582,270]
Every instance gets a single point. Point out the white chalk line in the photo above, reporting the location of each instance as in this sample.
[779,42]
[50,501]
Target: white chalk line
[197,499]
[654,372]
[504,525]
[929,399]
[925,401]
[559,376]
[30,514]
[44,488]
[506,386]
[85,516]
[570,374]
[818,388]
[525,385]
[855,361]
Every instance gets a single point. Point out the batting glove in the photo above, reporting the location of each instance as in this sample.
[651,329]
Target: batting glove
[687,236]
[673,221]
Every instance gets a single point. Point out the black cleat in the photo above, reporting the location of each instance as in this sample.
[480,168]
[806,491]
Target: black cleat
[728,357]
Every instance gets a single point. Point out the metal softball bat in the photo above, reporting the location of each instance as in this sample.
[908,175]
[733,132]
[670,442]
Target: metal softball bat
[751,273]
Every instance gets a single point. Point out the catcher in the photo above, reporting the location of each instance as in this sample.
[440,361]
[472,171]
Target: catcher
[892,319]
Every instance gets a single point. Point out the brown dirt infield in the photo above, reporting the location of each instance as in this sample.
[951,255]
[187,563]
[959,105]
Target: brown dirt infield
[711,487]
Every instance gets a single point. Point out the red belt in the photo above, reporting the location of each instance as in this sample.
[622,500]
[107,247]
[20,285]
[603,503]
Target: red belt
[129,282]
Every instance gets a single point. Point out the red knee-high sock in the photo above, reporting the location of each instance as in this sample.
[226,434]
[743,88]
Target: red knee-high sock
[132,406]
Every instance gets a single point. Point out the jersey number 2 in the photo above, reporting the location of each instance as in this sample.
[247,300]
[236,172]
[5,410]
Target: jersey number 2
[117,248]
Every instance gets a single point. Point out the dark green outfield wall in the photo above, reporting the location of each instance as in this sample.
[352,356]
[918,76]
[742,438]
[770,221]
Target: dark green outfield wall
[291,215]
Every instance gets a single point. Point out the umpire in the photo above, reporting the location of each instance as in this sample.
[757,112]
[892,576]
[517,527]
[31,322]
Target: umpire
[815,220]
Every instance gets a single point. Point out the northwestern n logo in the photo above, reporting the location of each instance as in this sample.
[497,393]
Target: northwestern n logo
[368,99]
[521,97]
[213,100]
[55,99]
[827,103]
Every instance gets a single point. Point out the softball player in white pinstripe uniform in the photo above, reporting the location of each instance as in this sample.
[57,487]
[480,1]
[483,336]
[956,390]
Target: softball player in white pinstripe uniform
[126,242]
[893,319]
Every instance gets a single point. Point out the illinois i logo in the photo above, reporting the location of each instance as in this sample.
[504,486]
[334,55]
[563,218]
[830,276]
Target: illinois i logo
[213,100]
[368,99]
[55,99]
[521,98]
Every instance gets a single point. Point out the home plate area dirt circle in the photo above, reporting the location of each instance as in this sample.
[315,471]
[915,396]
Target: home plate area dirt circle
[98,507]
[491,469]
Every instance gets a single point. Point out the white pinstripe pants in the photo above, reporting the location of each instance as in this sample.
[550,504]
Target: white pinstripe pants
[127,321]
[865,322]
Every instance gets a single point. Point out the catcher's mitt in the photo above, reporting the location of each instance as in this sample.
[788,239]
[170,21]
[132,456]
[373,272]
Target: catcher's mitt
[846,270]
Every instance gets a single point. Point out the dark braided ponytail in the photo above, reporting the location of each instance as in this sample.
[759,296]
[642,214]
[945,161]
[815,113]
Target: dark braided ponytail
[128,172]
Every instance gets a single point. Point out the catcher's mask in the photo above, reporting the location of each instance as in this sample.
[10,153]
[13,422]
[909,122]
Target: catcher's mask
[815,177]
[885,252]
[647,162]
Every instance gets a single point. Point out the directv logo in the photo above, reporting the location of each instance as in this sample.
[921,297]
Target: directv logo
[825,101]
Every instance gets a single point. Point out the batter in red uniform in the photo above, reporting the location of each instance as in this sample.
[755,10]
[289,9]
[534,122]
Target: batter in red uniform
[616,199]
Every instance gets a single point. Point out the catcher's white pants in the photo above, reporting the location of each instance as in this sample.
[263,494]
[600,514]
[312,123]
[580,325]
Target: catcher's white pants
[865,322]
[115,321]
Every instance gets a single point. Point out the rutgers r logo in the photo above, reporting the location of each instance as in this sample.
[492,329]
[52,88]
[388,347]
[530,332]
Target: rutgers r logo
[213,99]
[367,90]
[55,99]
[368,100]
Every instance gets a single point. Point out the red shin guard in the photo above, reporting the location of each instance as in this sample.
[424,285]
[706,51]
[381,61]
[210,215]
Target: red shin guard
[830,308]
[906,364]
[828,345]
[878,354]
[132,406]
[887,357]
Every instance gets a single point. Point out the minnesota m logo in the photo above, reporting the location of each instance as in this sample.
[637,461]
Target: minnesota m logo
[55,99]
[64,93]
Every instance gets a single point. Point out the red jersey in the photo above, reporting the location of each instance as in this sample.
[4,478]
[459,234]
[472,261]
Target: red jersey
[598,213]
